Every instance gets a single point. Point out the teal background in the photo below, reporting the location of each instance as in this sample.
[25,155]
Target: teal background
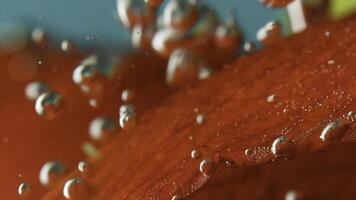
[77,19]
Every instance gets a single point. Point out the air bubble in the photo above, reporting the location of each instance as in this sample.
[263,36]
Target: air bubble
[249,152]
[195,154]
[206,167]
[205,72]
[206,25]
[127,95]
[102,129]
[35,89]
[84,166]
[271,98]
[280,146]
[249,47]
[228,34]
[270,33]
[182,67]
[86,71]
[166,40]
[48,105]
[291,195]
[39,36]
[134,12]
[68,46]
[176,197]
[333,130]
[24,190]
[90,38]
[180,14]
[76,189]
[51,172]
[200,119]
[127,117]
[141,36]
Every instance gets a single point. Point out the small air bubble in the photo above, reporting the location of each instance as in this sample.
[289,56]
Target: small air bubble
[249,152]
[195,153]
[176,197]
[271,98]
[90,37]
[102,129]
[249,47]
[48,105]
[280,146]
[200,119]
[127,117]
[206,167]
[24,190]
[331,62]
[333,130]
[51,172]
[35,89]
[127,95]
[270,33]
[182,67]
[76,189]
[84,166]
[39,36]
[68,46]
[291,195]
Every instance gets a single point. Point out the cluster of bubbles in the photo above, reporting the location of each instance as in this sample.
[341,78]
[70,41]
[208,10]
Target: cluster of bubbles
[51,172]
[94,76]
[180,32]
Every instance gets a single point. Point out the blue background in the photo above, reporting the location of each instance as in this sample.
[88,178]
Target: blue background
[77,19]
